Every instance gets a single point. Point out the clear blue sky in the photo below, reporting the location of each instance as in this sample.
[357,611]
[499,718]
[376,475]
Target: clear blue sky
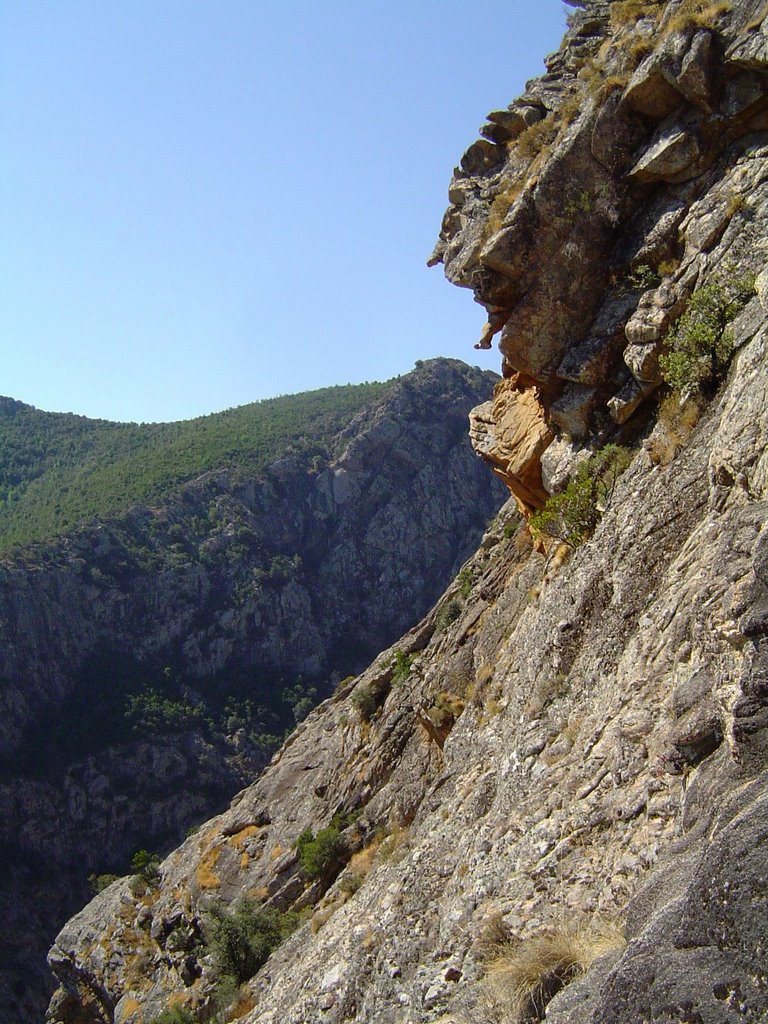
[208,202]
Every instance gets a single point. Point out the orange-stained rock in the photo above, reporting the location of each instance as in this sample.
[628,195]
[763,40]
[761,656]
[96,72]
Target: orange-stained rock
[510,433]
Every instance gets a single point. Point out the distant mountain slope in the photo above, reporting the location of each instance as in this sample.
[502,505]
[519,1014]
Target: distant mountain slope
[58,469]
[151,660]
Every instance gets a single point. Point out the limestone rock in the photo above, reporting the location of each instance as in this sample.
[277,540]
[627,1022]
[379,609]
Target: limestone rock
[751,49]
[571,412]
[481,157]
[643,362]
[695,80]
[506,125]
[652,90]
[560,462]
[628,400]
[560,788]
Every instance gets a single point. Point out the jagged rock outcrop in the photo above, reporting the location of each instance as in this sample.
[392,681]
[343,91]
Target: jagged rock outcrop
[296,575]
[566,739]
[642,157]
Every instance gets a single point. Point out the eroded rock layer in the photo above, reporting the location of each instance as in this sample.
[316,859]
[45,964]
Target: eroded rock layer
[569,748]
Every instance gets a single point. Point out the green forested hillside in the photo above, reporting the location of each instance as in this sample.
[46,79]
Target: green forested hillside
[59,469]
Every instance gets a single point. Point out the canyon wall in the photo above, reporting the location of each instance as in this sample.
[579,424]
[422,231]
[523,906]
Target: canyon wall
[272,590]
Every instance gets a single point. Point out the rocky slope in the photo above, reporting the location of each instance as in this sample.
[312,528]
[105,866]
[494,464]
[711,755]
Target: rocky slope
[562,769]
[289,583]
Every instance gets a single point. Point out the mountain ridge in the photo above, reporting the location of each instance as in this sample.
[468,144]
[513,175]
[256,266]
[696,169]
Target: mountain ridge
[103,465]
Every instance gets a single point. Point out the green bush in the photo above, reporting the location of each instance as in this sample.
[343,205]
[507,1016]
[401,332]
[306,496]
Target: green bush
[154,713]
[324,854]
[343,819]
[641,278]
[402,664]
[466,581]
[700,345]
[242,938]
[147,866]
[364,702]
[99,883]
[573,515]
[448,614]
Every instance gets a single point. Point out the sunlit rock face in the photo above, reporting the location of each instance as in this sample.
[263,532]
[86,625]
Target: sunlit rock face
[568,744]
[614,186]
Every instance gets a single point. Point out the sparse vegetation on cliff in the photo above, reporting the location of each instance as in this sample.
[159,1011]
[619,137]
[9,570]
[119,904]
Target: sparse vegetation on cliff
[402,664]
[364,702]
[698,13]
[175,1015]
[146,866]
[322,855]
[700,345]
[572,515]
[449,613]
[241,939]
[626,12]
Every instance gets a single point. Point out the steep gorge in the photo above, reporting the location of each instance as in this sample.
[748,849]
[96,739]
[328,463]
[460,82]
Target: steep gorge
[270,590]
[567,739]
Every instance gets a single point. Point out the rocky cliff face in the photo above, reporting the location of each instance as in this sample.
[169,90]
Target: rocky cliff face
[550,795]
[595,205]
[303,575]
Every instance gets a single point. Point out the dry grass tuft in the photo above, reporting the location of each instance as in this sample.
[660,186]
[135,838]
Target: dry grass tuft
[638,50]
[320,918]
[675,422]
[596,84]
[521,980]
[359,866]
[245,1002]
[501,206]
[735,202]
[205,873]
[523,540]
[571,106]
[626,12]
[536,139]
[668,267]
[697,14]
[484,674]
[394,845]
[493,938]
[544,691]
[362,861]
[445,710]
